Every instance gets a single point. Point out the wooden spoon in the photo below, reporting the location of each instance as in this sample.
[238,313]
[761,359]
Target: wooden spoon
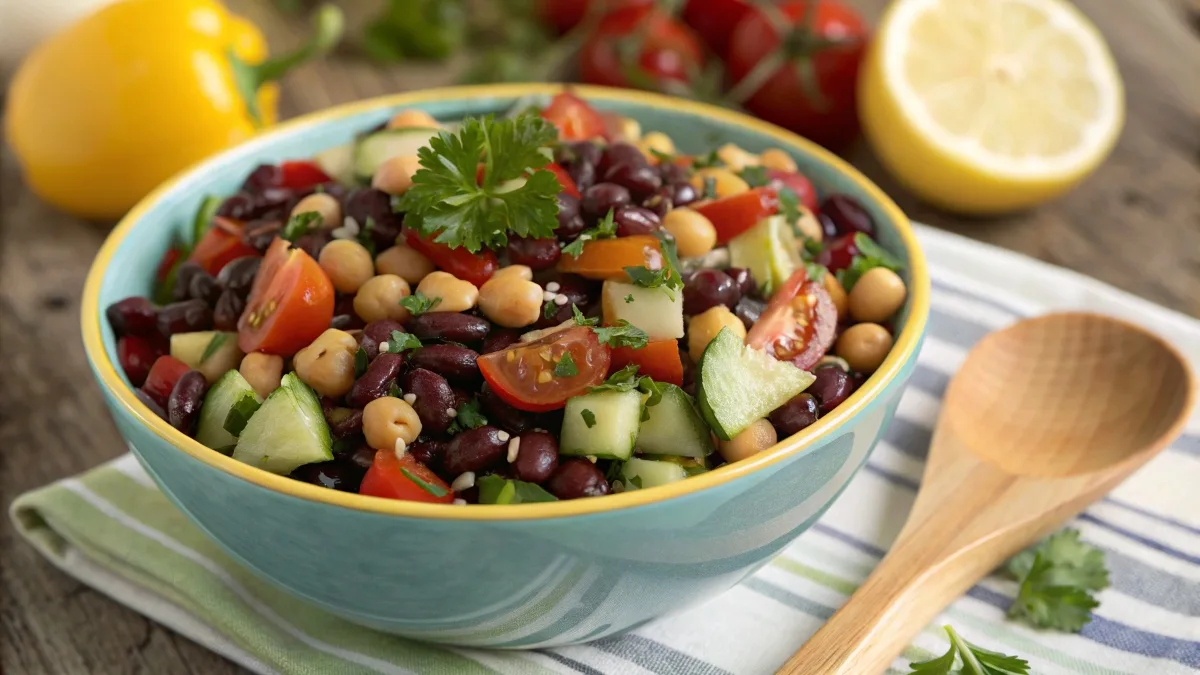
[1043,418]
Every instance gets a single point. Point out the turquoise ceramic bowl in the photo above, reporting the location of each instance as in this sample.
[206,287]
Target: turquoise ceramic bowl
[523,576]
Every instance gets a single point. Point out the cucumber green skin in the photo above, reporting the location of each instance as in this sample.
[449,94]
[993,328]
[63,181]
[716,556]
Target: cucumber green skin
[210,430]
[691,466]
[366,156]
[652,473]
[618,415]
[674,427]
[287,432]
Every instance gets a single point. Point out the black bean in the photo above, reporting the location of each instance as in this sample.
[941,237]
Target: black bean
[429,451]
[345,422]
[743,279]
[847,215]
[376,381]
[476,450]
[239,206]
[262,177]
[673,174]
[708,288]
[259,234]
[363,457]
[312,243]
[577,478]
[640,180]
[683,194]
[435,399]
[798,413]
[204,286]
[600,198]
[274,200]
[188,316]
[183,279]
[749,311]
[500,339]
[150,403]
[238,275]
[659,202]
[620,153]
[228,310]
[376,332]
[633,220]
[504,415]
[335,474]
[449,326]
[133,316]
[537,254]
[583,173]
[376,205]
[568,215]
[450,361]
[183,405]
[537,456]
[832,386]
[583,151]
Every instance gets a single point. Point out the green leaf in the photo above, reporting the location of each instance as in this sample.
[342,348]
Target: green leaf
[240,412]
[468,417]
[580,319]
[870,255]
[710,188]
[623,334]
[360,362]
[756,176]
[975,660]
[589,417]
[549,309]
[566,366]
[364,236]
[663,157]
[402,342]
[417,304]
[708,159]
[605,229]
[1057,579]
[218,339]
[435,490]
[789,206]
[204,215]
[301,224]
[629,298]
[496,490]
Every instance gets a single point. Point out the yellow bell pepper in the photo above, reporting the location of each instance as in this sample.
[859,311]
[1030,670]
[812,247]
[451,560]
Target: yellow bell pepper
[101,113]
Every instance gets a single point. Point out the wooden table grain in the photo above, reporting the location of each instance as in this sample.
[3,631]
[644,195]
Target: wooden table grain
[1135,224]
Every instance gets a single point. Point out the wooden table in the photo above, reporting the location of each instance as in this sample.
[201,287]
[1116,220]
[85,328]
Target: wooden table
[1134,224]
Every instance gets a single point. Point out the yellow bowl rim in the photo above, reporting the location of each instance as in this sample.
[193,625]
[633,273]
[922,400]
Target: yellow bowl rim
[903,349]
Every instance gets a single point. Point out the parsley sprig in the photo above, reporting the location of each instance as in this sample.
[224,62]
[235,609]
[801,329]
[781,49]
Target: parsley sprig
[975,660]
[627,379]
[1058,580]
[870,255]
[469,417]
[417,304]
[623,334]
[605,229]
[446,200]
[668,277]
[300,224]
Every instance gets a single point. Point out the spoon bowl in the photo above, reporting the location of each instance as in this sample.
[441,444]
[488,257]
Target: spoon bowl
[1043,418]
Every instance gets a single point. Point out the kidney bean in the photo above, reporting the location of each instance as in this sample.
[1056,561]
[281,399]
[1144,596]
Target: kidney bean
[238,275]
[150,403]
[375,204]
[569,221]
[262,177]
[749,311]
[475,450]
[260,233]
[450,361]
[428,451]
[362,457]
[744,280]
[449,326]
[228,310]
[582,151]
[461,397]
[641,181]
[673,173]
[239,206]
[832,386]
[620,153]
[847,215]
[502,414]
[184,317]
[633,220]
[183,405]
[203,286]
[183,278]
[600,198]
[798,413]
[333,189]
[659,202]
[500,339]
[345,422]
[583,173]
[376,381]
[708,288]
[312,243]
[537,254]
[133,316]
[683,194]
[376,332]
[537,456]
[828,228]
[435,398]
[334,474]
[577,477]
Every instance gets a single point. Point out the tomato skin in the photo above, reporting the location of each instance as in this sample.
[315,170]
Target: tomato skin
[302,174]
[669,50]
[137,356]
[783,99]
[714,20]
[797,183]
[302,299]
[839,253]
[476,268]
[608,258]
[779,334]
[221,244]
[163,376]
[168,261]
[563,15]
[734,215]
[564,179]
[658,359]
[386,479]
[515,378]
[575,118]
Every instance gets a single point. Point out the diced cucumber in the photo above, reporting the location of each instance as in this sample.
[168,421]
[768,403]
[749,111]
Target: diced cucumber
[211,352]
[288,430]
[691,465]
[737,384]
[338,162]
[602,424]
[769,250]
[638,473]
[231,397]
[673,426]
[377,148]
[658,311]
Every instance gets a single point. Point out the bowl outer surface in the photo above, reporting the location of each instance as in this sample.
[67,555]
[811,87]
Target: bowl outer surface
[518,583]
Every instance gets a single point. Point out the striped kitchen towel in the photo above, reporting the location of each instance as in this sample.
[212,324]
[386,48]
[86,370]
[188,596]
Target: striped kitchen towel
[113,530]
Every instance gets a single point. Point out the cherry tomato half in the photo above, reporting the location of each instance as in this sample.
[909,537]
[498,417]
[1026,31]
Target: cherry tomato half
[290,304]
[564,179]
[476,268]
[799,324]
[734,215]
[797,183]
[664,49]
[523,375]
[575,119]
[221,245]
[658,359]
[301,175]
[608,258]
[163,376]
[403,478]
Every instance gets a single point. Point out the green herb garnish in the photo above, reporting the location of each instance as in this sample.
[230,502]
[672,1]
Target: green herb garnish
[240,412]
[975,660]
[870,255]
[417,304]
[629,298]
[566,366]
[589,417]
[435,490]
[710,188]
[214,345]
[1058,580]
[623,334]
[496,490]
[468,417]
[301,224]
[401,342]
[361,361]
[605,229]
[708,159]
[755,176]
[549,309]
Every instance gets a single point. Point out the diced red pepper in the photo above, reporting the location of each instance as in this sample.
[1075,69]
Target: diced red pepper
[404,478]
[302,174]
[476,268]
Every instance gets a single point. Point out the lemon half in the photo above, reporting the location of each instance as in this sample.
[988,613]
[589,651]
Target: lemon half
[988,106]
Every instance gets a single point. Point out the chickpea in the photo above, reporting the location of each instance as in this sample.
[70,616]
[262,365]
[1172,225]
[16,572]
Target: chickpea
[656,141]
[413,118]
[326,205]
[516,271]
[864,346]
[327,365]
[407,263]
[705,326]
[629,130]
[262,371]
[877,295]
[380,297]
[694,233]
[457,295]
[388,419]
[755,438]
[510,301]
[347,263]
[809,226]
[836,293]
[774,158]
[726,182]
[395,175]
[735,158]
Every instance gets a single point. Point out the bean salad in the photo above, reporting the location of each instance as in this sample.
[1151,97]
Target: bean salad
[546,305]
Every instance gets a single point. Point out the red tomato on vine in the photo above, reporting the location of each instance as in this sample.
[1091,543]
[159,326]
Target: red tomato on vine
[640,47]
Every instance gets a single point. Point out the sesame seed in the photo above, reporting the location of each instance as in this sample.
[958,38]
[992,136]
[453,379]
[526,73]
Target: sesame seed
[351,226]
[451,412]
[553,286]
[560,300]
[503,436]
[544,376]
[514,448]
[410,398]
[383,347]
[459,502]
[591,458]
[465,481]
[400,448]
[340,233]
[547,296]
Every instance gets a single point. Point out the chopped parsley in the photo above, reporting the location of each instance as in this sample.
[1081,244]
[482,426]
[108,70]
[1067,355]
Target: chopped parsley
[435,490]
[401,342]
[417,304]
[240,412]
[709,159]
[301,224]
[870,255]
[549,309]
[218,340]
[710,188]
[605,229]
[627,379]
[789,206]
[361,361]
[975,660]
[1058,578]
[364,236]
[468,417]
[629,298]
[623,334]
[589,417]
[668,277]
[755,176]
[566,366]
[664,157]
